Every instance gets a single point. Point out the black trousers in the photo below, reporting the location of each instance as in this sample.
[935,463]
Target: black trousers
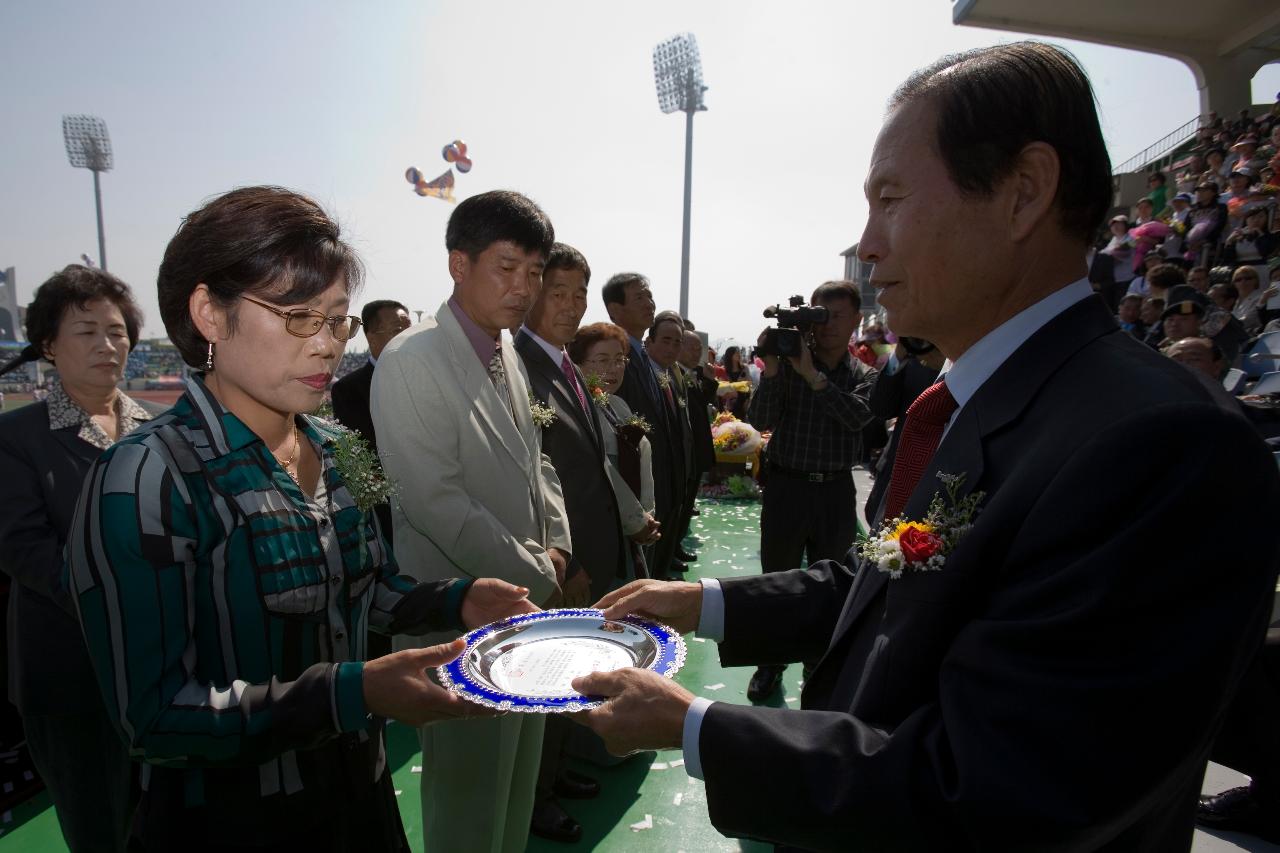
[799,518]
[85,766]
[1249,740]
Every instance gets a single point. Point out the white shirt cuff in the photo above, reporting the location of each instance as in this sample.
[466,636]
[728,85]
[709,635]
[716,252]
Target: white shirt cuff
[711,621]
[689,741]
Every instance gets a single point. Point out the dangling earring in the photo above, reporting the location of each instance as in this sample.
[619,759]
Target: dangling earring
[208,362]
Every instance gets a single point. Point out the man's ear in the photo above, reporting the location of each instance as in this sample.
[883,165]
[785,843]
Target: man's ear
[209,319]
[1035,188]
[459,266]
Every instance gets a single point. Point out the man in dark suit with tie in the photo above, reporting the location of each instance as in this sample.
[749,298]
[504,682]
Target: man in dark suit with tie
[663,344]
[382,320]
[576,448]
[573,439]
[630,304]
[1056,679]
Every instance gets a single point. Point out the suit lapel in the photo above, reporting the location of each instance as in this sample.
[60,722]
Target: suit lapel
[997,403]
[537,361]
[959,453]
[479,387]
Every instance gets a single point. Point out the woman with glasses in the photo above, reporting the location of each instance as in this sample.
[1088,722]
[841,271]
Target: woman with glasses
[224,570]
[599,350]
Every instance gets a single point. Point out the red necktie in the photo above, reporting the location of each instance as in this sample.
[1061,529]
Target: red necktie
[567,367]
[921,432]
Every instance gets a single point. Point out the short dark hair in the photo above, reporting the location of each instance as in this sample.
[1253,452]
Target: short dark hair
[482,220]
[564,257]
[1201,268]
[837,290]
[272,242]
[1165,276]
[1157,176]
[615,289]
[666,317]
[77,285]
[994,101]
[369,313]
[592,334]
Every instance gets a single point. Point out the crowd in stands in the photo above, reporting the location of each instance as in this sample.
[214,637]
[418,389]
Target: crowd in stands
[1201,258]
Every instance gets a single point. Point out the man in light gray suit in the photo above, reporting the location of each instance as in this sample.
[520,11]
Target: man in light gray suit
[476,496]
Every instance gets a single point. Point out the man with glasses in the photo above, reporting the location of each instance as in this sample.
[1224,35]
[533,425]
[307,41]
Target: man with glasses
[382,320]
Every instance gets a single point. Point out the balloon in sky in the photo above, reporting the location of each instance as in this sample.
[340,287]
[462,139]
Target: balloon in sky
[441,187]
[456,153]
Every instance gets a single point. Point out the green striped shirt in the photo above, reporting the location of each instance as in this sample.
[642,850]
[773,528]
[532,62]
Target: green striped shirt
[224,610]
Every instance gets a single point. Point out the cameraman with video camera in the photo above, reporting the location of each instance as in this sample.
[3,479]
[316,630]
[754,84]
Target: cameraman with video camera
[815,397]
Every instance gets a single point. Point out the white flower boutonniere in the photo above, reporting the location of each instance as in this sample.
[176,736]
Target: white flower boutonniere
[923,546]
[637,422]
[360,469]
[542,414]
[664,380]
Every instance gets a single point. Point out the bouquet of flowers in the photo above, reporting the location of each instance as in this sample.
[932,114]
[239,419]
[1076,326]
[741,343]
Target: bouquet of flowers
[736,437]
[722,418]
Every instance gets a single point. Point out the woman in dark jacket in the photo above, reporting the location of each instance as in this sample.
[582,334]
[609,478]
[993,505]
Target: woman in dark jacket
[84,321]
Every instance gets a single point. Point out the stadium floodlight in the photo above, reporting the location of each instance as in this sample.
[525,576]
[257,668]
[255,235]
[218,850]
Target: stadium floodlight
[89,147]
[677,74]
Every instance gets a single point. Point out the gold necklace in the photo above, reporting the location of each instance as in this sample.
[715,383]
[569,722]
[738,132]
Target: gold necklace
[290,465]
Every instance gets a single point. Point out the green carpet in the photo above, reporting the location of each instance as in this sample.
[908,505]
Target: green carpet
[640,790]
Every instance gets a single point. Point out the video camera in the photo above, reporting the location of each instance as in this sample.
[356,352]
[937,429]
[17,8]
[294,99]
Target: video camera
[794,323]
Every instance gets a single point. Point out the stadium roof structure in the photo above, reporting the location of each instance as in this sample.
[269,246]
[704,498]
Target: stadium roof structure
[1224,42]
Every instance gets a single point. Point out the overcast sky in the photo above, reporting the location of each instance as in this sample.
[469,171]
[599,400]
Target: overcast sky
[554,98]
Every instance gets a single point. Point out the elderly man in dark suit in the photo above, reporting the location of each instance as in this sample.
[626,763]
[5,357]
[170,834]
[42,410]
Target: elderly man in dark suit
[1052,676]
[382,320]
[630,304]
[576,448]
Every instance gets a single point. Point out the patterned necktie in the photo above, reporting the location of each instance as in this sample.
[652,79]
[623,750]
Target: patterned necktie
[498,376]
[921,433]
[569,374]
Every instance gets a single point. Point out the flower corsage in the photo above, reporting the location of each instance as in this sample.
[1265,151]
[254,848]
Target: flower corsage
[595,388]
[359,468]
[923,546]
[542,414]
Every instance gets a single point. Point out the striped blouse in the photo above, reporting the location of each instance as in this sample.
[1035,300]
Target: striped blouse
[225,611]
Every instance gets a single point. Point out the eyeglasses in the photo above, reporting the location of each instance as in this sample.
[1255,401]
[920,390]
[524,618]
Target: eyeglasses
[305,324]
[605,361]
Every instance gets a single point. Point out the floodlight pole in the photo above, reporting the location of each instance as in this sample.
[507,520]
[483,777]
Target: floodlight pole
[692,99]
[102,240]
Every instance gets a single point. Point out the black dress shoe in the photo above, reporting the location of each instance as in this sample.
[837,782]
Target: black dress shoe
[696,512]
[575,786]
[1239,810]
[686,556]
[763,683]
[552,822]
[677,568]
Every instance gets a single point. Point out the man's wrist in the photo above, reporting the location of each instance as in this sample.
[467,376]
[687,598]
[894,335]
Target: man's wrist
[817,381]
